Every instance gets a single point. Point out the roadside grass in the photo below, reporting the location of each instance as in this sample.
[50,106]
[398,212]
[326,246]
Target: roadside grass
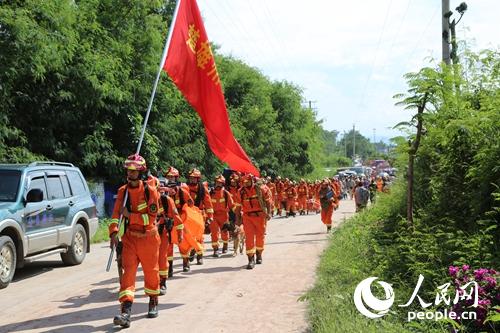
[102,231]
[344,264]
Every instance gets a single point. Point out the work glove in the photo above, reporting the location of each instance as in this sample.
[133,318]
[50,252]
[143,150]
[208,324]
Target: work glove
[113,240]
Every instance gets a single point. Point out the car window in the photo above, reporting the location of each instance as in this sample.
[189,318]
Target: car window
[9,184]
[54,188]
[76,183]
[65,184]
[39,183]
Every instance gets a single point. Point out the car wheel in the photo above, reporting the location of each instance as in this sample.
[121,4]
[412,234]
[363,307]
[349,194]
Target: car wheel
[8,260]
[78,249]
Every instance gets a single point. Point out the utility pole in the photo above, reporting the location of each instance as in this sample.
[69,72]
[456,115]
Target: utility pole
[374,143]
[353,142]
[450,26]
[445,10]
[345,144]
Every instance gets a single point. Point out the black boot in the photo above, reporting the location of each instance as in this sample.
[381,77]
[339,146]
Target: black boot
[328,228]
[216,253]
[251,262]
[224,248]
[170,268]
[123,319]
[163,286]
[153,307]
[199,259]
[191,255]
[185,265]
[259,257]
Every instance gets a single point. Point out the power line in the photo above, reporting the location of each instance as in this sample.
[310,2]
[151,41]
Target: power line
[361,100]
[417,44]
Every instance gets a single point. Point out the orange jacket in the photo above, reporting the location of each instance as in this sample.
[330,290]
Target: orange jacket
[247,200]
[219,202]
[171,213]
[205,202]
[291,192]
[142,212]
[302,190]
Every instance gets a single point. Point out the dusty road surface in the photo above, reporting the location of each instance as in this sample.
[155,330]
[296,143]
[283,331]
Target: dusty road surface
[220,296]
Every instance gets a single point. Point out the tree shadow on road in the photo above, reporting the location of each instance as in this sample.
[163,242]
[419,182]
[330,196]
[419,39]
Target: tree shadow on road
[82,316]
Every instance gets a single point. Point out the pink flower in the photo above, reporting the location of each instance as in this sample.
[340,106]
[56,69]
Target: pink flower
[465,268]
[479,273]
[453,271]
[492,282]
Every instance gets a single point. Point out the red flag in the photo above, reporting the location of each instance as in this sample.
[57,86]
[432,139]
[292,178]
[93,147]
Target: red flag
[190,63]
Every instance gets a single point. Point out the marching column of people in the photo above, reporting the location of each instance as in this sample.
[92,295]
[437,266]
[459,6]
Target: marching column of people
[158,215]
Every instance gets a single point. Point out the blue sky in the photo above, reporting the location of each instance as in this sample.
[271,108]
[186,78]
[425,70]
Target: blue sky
[348,56]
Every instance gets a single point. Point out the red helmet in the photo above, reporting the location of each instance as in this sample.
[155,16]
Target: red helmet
[172,172]
[195,173]
[220,179]
[247,177]
[135,162]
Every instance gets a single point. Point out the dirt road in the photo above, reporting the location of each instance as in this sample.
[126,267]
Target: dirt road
[220,296]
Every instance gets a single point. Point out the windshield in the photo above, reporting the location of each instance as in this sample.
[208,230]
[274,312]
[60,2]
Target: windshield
[358,170]
[9,184]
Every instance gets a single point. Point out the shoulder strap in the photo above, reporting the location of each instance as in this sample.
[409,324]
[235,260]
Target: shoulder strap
[182,201]
[164,203]
[200,194]
[226,196]
[146,190]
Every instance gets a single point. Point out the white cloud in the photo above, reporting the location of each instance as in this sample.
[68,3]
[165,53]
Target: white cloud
[349,56]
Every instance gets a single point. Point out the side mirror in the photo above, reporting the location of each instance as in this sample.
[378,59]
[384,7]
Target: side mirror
[34,195]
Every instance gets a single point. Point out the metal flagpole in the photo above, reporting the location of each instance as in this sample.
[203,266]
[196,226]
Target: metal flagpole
[141,138]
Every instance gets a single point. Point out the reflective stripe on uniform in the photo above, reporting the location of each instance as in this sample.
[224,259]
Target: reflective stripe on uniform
[115,221]
[145,219]
[210,210]
[259,248]
[170,258]
[126,293]
[142,206]
[180,227]
[251,251]
[163,273]
[151,291]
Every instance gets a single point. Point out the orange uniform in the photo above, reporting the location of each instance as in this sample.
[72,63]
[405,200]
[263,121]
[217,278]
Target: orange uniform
[279,197]
[140,241]
[291,197]
[272,188]
[303,193]
[201,197]
[222,203]
[328,199]
[169,218]
[254,218]
[181,196]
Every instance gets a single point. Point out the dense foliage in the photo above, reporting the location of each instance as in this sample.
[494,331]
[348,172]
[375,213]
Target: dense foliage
[455,235]
[76,77]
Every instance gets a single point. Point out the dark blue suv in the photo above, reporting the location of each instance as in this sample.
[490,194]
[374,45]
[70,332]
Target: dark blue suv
[45,208]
